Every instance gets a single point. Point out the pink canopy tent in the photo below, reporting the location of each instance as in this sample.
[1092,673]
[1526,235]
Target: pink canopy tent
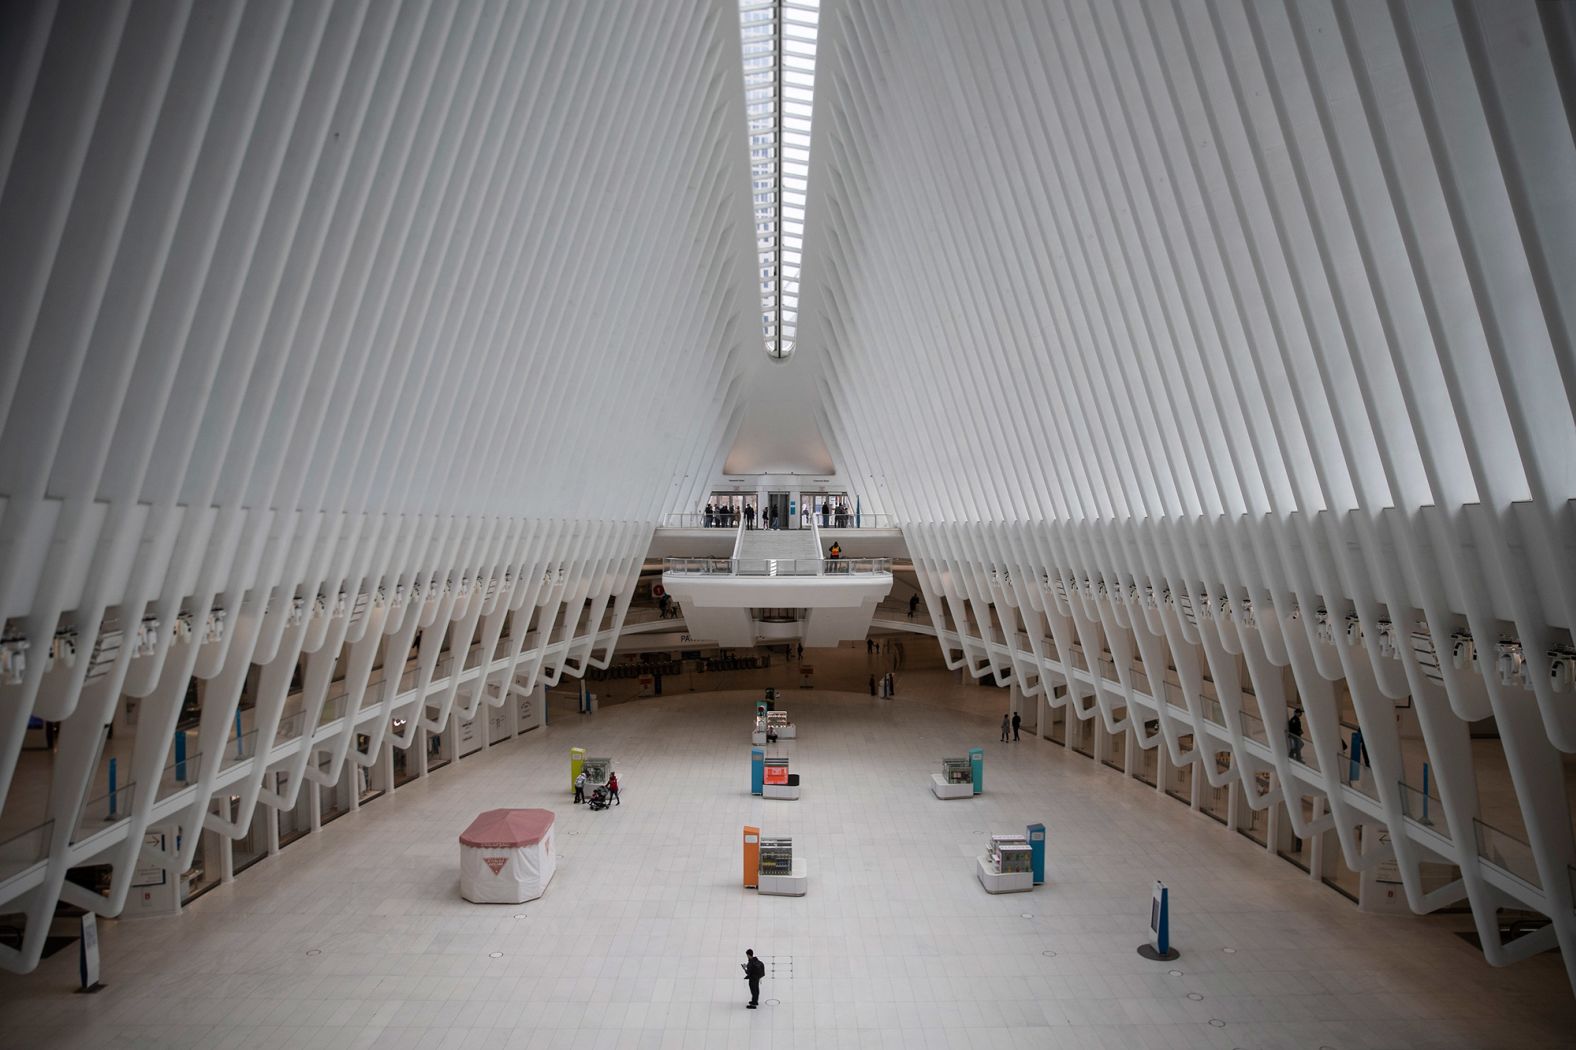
[506,856]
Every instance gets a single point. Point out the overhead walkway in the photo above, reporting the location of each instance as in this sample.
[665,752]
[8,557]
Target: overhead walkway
[726,600]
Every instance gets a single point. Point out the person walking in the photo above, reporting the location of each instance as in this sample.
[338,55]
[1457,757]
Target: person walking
[1006,727]
[913,605]
[612,789]
[1294,734]
[872,685]
[1017,721]
[749,517]
[754,970]
[580,787]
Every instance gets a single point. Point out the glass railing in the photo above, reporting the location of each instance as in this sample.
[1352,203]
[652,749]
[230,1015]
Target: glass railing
[862,520]
[699,520]
[1359,776]
[1253,727]
[181,771]
[778,566]
[732,520]
[1213,712]
[25,848]
[1300,749]
[104,810]
[1505,851]
[1420,805]
[239,748]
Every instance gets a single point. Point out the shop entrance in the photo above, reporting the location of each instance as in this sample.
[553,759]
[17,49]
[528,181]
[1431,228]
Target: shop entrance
[777,504]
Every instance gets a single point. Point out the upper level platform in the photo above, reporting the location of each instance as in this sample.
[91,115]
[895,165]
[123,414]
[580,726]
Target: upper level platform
[777,569]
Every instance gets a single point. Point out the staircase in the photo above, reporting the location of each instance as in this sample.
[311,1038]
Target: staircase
[793,549]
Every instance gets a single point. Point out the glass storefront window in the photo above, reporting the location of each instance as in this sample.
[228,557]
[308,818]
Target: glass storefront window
[829,510]
[203,875]
[246,851]
[296,821]
[334,800]
[1179,782]
[1217,800]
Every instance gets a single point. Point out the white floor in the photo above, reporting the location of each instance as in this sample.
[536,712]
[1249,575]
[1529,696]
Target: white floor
[357,936]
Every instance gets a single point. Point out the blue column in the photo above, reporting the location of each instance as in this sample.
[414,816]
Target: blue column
[180,755]
[757,771]
[1356,757]
[977,768]
[1037,852]
[114,795]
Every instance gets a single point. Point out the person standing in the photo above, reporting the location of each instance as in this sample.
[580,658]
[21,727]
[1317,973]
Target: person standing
[891,680]
[1294,734]
[749,517]
[913,604]
[754,970]
[580,787]
[1006,727]
[612,789]
[872,685]
[1017,721]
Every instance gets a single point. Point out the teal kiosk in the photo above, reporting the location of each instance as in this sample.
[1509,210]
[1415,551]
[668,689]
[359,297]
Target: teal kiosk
[1037,852]
[977,767]
[757,771]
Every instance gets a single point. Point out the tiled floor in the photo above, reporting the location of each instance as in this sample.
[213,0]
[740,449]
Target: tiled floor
[357,936]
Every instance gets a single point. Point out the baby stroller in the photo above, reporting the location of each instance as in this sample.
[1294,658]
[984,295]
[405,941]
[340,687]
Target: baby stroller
[599,798]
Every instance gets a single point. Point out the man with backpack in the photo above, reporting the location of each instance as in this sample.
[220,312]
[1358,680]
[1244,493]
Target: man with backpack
[754,970]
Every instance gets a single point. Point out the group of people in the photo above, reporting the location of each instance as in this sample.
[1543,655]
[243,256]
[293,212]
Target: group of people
[722,516]
[667,608]
[1010,725]
[888,685]
[888,647]
[834,513]
[612,789]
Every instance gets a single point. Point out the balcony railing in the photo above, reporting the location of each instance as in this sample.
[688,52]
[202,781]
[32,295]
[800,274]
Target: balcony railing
[1506,852]
[778,566]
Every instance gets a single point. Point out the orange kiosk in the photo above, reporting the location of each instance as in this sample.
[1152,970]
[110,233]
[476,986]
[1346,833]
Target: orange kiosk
[752,857]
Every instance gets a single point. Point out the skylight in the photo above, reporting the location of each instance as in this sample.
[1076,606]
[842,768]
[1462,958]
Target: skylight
[779,81]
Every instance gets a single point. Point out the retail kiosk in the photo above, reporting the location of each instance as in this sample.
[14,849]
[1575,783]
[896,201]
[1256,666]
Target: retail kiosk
[771,867]
[507,857]
[595,769]
[1008,866]
[960,777]
[776,781]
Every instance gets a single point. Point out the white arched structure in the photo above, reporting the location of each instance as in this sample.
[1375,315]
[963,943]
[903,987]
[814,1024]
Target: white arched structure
[1223,340]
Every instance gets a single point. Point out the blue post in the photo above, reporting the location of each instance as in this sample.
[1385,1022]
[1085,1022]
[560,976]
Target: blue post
[1357,751]
[1163,923]
[113,794]
[240,747]
[180,755]
[757,771]
[1425,792]
[1037,852]
[977,768]
[858,517]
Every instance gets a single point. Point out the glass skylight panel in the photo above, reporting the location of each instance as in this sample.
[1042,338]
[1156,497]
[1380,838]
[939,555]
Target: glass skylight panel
[778,38]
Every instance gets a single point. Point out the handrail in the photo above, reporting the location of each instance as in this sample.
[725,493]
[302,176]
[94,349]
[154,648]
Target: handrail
[778,566]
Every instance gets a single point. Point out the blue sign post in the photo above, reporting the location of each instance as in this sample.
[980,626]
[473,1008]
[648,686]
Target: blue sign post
[1037,852]
[1158,947]
[977,768]
[757,771]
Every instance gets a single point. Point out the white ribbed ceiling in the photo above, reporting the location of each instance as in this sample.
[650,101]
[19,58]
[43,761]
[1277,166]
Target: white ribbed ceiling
[1265,306]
